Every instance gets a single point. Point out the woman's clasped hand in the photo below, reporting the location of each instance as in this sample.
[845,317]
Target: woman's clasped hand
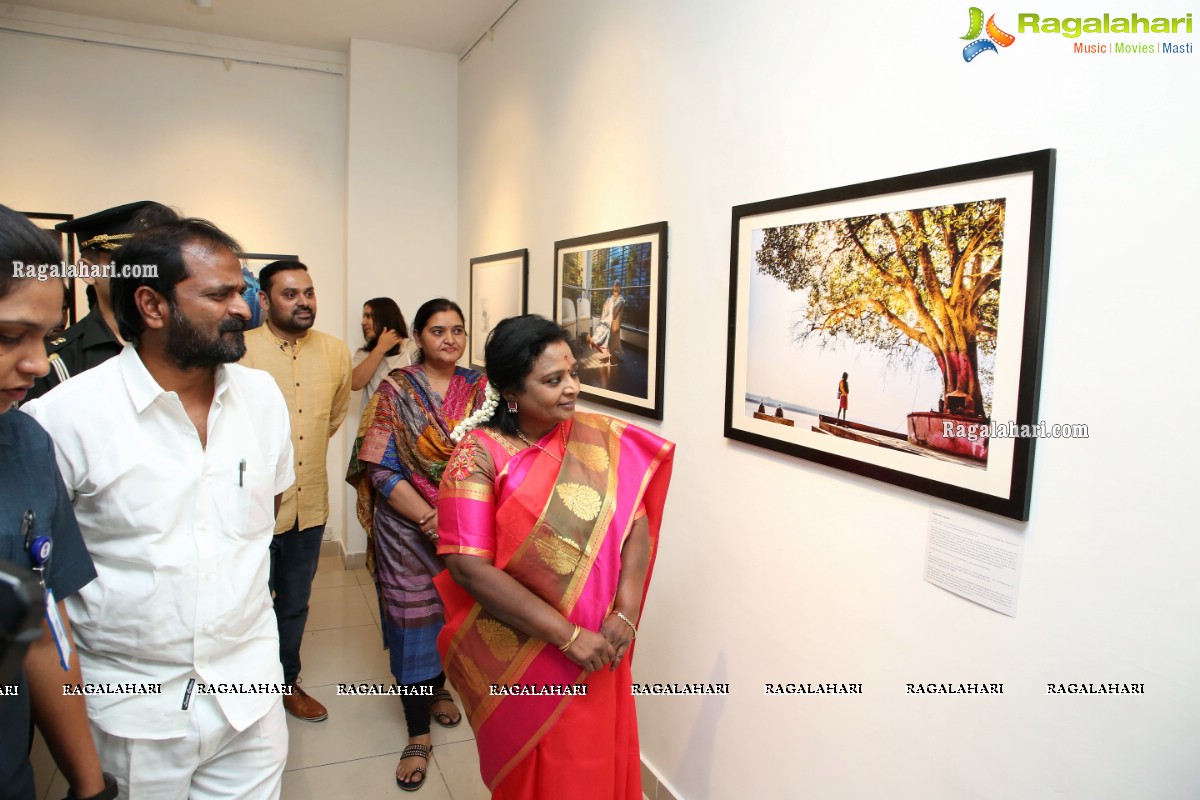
[591,650]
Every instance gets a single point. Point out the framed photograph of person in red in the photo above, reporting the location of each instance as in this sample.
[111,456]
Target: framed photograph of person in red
[894,328]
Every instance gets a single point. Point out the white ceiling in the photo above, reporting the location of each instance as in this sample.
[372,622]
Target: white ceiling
[448,26]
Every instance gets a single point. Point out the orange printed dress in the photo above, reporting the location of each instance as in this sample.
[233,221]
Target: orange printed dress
[555,518]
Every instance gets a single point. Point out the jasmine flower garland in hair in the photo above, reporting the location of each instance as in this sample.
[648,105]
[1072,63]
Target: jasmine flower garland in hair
[491,399]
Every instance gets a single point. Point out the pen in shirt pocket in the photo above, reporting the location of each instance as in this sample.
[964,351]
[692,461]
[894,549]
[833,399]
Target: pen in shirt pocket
[242,472]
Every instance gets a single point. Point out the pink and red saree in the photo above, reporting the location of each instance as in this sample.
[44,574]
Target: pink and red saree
[554,517]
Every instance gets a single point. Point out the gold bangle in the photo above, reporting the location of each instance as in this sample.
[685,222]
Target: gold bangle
[571,641]
[625,619]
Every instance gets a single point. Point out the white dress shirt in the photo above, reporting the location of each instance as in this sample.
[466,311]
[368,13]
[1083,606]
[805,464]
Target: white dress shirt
[179,534]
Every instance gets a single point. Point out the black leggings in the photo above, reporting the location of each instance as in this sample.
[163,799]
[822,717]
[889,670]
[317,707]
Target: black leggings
[416,706]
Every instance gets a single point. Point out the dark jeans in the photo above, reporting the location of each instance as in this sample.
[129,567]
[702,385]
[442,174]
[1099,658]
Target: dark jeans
[294,557]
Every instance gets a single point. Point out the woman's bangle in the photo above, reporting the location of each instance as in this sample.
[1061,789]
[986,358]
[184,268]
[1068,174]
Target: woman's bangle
[571,641]
[625,619]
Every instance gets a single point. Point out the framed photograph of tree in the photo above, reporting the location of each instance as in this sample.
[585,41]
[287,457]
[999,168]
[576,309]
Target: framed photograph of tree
[499,289]
[610,293]
[870,329]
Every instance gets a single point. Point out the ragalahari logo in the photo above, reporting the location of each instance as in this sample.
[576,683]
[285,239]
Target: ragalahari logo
[995,36]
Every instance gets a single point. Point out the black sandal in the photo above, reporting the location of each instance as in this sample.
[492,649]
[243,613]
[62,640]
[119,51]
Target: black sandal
[422,750]
[439,695]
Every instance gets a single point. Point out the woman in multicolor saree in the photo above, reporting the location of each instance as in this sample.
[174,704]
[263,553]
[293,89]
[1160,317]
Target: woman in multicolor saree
[548,522]
[401,449]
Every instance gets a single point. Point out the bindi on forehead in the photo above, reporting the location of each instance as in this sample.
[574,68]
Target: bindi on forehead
[555,360]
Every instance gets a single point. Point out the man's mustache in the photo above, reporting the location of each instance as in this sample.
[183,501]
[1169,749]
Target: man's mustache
[230,325]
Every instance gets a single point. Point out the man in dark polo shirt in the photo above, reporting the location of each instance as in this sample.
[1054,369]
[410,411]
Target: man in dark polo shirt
[93,340]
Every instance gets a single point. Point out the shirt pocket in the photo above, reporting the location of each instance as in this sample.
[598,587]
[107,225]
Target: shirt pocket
[250,505]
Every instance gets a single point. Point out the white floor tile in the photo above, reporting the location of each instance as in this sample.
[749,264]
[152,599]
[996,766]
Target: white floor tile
[372,598]
[459,765]
[358,727]
[337,607]
[330,572]
[342,655]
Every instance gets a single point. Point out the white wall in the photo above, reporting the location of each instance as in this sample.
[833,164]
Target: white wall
[259,150]
[350,162]
[401,189]
[583,117]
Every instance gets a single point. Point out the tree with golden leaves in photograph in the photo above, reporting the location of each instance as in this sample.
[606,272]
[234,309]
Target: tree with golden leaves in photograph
[926,276]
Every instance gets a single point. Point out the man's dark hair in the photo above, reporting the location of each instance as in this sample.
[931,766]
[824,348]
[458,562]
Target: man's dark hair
[160,247]
[511,349]
[274,268]
[21,240]
[385,314]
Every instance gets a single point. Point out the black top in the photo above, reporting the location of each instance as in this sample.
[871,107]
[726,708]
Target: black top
[86,344]
[30,481]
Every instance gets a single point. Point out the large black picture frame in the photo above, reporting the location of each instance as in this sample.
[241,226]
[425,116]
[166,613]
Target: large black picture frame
[841,282]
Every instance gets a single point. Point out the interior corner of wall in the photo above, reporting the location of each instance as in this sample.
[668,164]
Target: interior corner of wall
[654,785]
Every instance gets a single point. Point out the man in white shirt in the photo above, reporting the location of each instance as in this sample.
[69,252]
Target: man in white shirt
[175,457]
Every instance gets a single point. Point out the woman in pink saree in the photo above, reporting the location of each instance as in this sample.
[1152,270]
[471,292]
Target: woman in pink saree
[548,523]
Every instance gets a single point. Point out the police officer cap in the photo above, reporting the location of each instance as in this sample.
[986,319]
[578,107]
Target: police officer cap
[112,227]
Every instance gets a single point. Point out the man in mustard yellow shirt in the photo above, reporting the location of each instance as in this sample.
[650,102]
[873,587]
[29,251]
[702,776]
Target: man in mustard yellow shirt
[313,372]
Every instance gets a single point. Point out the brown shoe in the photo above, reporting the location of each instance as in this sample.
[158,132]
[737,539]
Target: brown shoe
[301,705]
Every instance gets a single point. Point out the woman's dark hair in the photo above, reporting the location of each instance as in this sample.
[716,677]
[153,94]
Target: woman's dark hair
[512,348]
[426,311]
[161,248]
[21,240]
[385,314]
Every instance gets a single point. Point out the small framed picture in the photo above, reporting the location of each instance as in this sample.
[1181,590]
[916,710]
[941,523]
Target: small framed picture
[499,289]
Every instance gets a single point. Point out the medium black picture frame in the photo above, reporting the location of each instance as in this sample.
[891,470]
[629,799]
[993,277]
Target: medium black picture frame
[617,335]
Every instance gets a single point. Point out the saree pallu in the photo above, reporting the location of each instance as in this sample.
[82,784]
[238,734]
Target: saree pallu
[558,528]
[404,434]
[406,428]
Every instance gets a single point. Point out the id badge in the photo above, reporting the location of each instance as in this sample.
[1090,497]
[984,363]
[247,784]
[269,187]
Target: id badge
[58,631]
